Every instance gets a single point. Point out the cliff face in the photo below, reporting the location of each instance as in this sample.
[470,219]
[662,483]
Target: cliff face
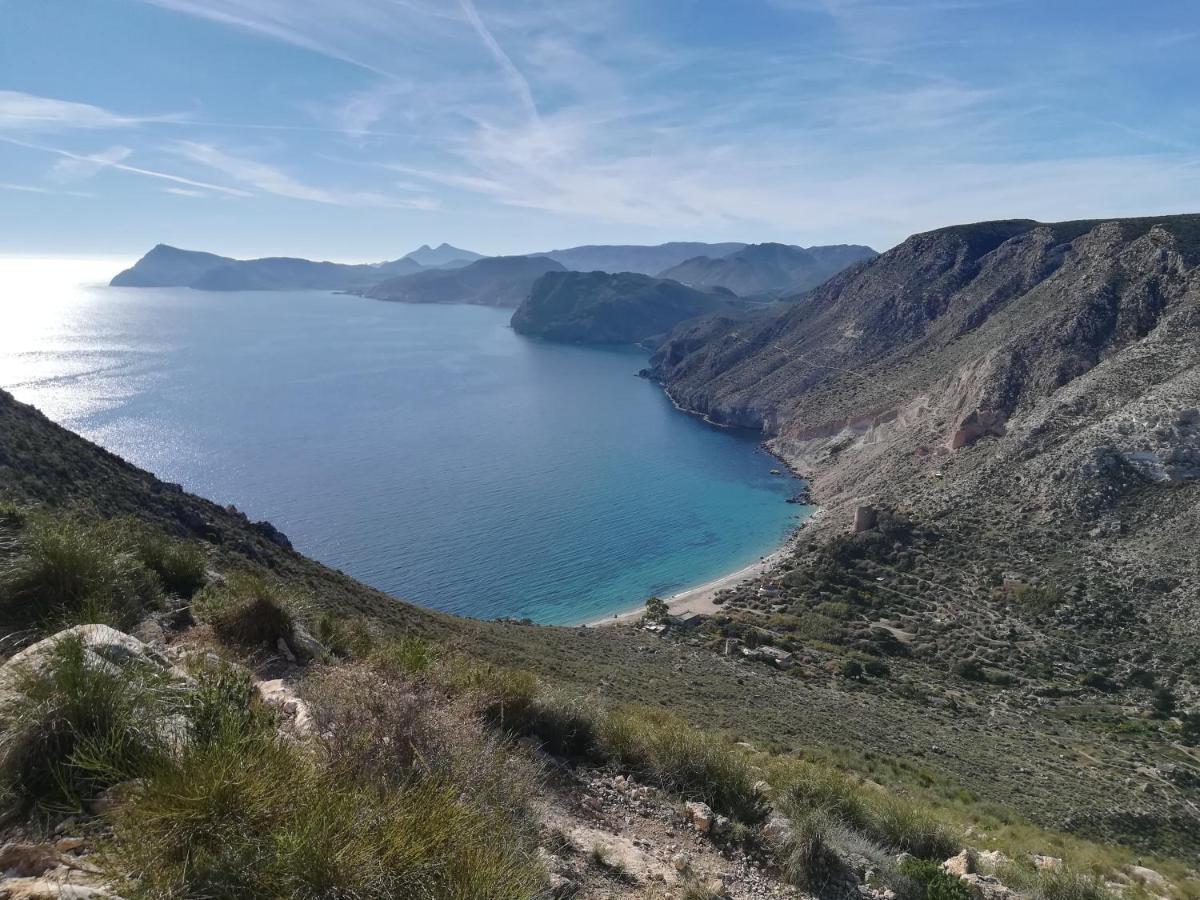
[768,270]
[1031,388]
[599,308]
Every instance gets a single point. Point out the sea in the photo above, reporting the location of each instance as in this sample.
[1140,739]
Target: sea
[427,450]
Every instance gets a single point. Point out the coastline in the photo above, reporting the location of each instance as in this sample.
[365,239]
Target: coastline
[701,599]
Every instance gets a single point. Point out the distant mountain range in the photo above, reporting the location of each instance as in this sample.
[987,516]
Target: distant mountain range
[489,281]
[166,266]
[636,258]
[442,256]
[603,308]
[768,270]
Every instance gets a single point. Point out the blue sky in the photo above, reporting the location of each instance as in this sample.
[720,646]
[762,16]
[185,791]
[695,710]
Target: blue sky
[358,129]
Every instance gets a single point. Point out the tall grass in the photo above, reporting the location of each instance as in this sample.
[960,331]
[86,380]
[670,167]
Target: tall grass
[70,573]
[405,799]
[662,749]
[74,726]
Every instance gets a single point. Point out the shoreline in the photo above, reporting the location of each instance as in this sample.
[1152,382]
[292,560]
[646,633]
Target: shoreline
[701,599]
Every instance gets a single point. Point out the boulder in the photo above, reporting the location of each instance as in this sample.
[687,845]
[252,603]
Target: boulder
[700,815]
[991,859]
[305,646]
[778,829]
[960,865]
[104,646]
[987,887]
[1148,877]
[297,718]
[25,859]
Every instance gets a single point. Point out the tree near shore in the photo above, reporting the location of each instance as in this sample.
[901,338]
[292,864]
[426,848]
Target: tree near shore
[656,611]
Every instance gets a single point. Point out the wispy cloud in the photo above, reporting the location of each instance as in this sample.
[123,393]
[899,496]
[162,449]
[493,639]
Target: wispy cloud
[36,189]
[511,73]
[103,162]
[24,112]
[270,179]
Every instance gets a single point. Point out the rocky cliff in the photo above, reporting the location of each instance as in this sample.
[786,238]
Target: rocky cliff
[1027,390]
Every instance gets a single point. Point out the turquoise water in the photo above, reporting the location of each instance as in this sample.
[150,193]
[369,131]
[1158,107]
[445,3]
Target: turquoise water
[427,450]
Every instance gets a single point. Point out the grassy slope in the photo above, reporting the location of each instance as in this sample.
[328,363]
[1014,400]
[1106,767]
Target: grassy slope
[996,747]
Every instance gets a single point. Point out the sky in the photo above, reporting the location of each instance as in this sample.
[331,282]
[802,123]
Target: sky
[360,129]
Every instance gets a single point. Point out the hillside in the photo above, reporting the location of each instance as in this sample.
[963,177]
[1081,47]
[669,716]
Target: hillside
[167,266]
[491,281]
[644,260]
[880,726]
[599,308]
[1016,404]
[768,270]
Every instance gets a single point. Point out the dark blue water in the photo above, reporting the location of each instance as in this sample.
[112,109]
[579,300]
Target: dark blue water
[427,450]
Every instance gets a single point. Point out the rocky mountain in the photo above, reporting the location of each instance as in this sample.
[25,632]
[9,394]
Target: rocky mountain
[491,281]
[442,256]
[166,266]
[645,260]
[601,308]
[1024,400]
[768,270]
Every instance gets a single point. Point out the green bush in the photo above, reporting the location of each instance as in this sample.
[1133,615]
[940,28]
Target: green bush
[935,884]
[68,573]
[660,748]
[179,565]
[246,611]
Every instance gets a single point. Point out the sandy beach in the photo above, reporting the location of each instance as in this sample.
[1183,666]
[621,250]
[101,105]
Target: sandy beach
[700,599]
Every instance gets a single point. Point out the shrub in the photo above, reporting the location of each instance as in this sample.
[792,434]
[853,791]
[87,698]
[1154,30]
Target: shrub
[390,731]
[246,611]
[179,565]
[74,726]
[565,725]
[661,748]
[852,669]
[68,573]
[807,859]
[903,825]
[352,638]
[804,787]
[410,655]
[934,883]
